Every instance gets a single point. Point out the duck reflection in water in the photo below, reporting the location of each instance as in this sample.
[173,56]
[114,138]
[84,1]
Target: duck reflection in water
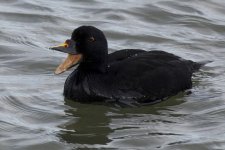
[87,128]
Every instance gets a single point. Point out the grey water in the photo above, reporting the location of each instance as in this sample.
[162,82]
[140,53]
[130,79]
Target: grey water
[34,114]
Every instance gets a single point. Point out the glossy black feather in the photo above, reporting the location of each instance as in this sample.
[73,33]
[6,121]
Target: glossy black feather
[123,54]
[127,75]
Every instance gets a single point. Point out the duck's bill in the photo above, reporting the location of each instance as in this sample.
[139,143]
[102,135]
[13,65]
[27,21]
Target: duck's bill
[73,58]
[69,62]
[68,47]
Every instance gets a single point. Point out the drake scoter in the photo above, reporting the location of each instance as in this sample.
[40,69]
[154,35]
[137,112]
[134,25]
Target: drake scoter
[133,76]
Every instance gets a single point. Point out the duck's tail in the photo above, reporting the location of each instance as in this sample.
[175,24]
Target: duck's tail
[198,65]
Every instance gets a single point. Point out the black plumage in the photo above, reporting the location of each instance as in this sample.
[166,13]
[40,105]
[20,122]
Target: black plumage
[133,76]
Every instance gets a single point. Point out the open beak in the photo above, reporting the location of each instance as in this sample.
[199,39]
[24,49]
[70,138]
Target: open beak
[72,59]
[69,62]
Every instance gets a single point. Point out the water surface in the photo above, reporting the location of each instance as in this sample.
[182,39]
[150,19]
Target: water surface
[34,114]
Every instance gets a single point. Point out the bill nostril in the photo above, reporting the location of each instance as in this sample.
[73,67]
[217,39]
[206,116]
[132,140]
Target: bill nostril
[67,43]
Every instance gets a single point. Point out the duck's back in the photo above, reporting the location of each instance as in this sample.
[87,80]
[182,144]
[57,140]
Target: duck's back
[124,54]
[144,78]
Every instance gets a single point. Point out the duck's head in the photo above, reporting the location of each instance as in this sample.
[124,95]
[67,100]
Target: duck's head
[87,46]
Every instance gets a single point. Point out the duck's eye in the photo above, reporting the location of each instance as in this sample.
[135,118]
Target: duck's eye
[91,39]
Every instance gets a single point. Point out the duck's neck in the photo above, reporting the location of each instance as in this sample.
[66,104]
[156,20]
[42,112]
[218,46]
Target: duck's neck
[95,60]
[92,66]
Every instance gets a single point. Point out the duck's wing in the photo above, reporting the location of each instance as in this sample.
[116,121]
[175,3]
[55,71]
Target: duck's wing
[145,78]
[123,54]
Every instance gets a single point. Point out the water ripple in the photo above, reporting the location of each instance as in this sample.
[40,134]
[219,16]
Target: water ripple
[34,114]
